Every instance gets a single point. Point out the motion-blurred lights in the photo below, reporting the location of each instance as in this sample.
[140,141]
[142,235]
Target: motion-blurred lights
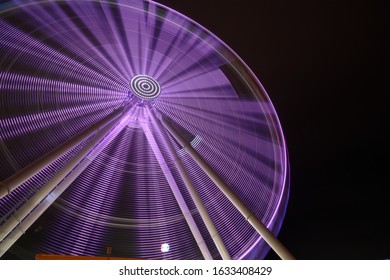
[165,247]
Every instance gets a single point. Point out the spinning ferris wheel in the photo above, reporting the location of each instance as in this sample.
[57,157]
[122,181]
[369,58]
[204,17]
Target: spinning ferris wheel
[126,124]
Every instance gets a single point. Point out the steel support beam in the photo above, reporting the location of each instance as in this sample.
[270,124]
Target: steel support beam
[14,181]
[26,215]
[177,194]
[268,236]
[191,189]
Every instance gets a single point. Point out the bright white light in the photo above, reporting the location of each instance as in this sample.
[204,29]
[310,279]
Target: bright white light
[165,247]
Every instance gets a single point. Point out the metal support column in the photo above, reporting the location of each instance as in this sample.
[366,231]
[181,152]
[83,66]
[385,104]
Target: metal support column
[177,194]
[14,181]
[26,215]
[268,236]
[191,189]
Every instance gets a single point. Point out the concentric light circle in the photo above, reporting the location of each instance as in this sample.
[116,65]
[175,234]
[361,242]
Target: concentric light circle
[145,87]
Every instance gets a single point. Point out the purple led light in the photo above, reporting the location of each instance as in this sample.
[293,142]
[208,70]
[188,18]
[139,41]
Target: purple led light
[67,64]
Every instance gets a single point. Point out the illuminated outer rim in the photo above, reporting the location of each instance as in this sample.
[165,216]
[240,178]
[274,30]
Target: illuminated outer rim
[65,65]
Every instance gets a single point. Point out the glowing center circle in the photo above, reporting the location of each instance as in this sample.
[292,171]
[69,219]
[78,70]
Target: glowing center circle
[165,247]
[145,87]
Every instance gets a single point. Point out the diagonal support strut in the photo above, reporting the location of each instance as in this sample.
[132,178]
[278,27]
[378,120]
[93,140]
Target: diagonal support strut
[268,236]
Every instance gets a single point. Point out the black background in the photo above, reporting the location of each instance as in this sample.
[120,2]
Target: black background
[324,66]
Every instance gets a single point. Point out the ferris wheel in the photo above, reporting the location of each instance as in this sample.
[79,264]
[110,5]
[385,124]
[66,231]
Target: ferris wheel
[125,124]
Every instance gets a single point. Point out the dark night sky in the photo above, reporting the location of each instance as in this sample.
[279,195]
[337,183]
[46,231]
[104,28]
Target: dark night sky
[321,63]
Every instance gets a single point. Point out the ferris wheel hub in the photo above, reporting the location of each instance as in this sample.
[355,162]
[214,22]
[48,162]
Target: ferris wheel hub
[145,87]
